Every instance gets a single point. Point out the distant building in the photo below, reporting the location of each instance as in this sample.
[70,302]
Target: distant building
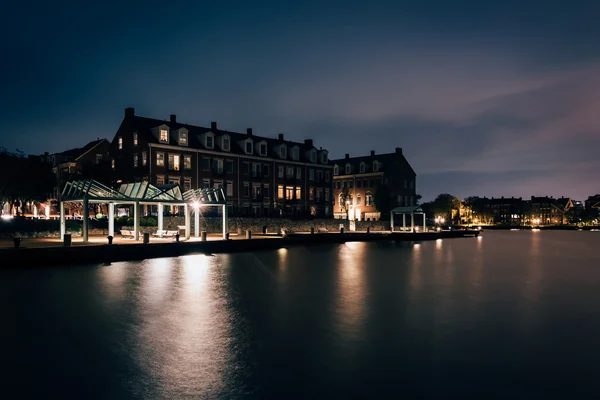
[592,206]
[505,211]
[261,176]
[357,180]
[547,210]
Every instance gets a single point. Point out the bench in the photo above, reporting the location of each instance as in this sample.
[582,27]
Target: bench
[125,233]
[171,233]
[181,227]
[322,230]
[160,234]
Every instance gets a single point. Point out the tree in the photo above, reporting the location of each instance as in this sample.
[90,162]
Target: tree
[345,201]
[445,205]
[382,199]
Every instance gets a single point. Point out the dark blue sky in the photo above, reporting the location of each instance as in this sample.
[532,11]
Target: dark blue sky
[486,98]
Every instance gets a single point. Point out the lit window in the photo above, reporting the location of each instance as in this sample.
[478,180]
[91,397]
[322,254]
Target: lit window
[183,138]
[174,180]
[187,162]
[229,188]
[311,193]
[248,147]
[296,153]
[289,192]
[225,143]
[120,140]
[313,155]
[368,199]
[218,166]
[160,180]
[112,164]
[135,160]
[174,161]
[164,135]
[160,159]
[298,193]
[99,158]
[256,191]
[280,191]
[135,139]
[144,158]
[282,151]
[209,142]
[358,199]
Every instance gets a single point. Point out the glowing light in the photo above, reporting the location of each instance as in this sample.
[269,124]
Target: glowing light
[196,205]
[6,216]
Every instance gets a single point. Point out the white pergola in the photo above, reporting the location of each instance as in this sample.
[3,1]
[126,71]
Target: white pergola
[408,211]
[137,194]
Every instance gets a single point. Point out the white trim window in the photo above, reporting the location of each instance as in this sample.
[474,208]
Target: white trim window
[313,155]
[160,159]
[226,143]
[160,179]
[249,147]
[348,169]
[209,141]
[324,157]
[135,138]
[280,171]
[375,166]
[282,151]
[187,161]
[120,141]
[298,173]
[136,160]
[183,138]
[368,199]
[336,169]
[362,167]
[144,158]
[164,136]
[296,153]
[187,184]
[229,188]
[326,194]
[263,149]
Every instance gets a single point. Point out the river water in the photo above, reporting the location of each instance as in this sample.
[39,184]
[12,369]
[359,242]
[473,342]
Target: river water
[507,315]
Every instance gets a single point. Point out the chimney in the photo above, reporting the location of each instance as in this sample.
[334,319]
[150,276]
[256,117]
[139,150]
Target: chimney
[280,136]
[173,118]
[399,150]
[249,131]
[347,156]
[129,112]
[308,142]
[372,152]
[213,126]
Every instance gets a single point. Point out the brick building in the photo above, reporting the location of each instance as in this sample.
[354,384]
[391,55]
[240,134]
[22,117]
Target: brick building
[261,176]
[357,179]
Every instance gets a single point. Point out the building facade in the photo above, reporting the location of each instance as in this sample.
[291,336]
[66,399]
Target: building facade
[357,181]
[260,176]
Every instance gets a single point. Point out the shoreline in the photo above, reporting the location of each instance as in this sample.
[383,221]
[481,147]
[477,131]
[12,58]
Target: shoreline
[105,254]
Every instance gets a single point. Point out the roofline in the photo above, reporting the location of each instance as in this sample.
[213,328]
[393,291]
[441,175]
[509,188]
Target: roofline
[92,148]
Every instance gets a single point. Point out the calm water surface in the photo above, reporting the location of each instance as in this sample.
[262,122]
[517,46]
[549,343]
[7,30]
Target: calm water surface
[508,315]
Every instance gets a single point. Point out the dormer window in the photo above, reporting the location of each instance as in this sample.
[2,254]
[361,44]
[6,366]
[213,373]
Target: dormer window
[282,151]
[225,143]
[120,141]
[362,167]
[296,153]
[249,148]
[209,141]
[324,157]
[336,169]
[313,155]
[348,169]
[135,138]
[375,166]
[263,149]
[164,136]
[183,138]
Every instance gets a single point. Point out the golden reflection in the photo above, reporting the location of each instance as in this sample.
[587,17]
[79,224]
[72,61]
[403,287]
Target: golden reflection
[283,253]
[351,289]
[114,277]
[156,280]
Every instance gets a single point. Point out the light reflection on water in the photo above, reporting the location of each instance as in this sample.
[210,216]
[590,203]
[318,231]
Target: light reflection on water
[510,311]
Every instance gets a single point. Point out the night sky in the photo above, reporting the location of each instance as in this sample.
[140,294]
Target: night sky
[486,98]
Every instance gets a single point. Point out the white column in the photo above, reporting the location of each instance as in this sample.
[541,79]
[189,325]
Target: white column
[391,221]
[197,220]
[86,219]
[136,221]
[403,221]
[62,221]
[412,222]
[186,212]
[35,211]
[225,226]
[160,218]
[111,219]
[47,212]
[424,223]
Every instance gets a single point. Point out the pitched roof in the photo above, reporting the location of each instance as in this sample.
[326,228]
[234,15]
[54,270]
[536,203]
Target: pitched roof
[387,162]
[74,154]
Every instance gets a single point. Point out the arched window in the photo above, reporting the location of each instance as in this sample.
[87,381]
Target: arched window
[368,199]
[358,199]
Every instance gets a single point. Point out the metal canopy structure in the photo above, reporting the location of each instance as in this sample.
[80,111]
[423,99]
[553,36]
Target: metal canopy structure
[90,191]
[412,210]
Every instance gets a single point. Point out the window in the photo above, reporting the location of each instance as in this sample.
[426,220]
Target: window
[99,158]
[248,147]
[160,179]
[229,188]
[282,151]
[263,149]
[209,141]
[358,183]
[266,191]
[298,173]
[144,158]
[187,184]
[326,194]
[173,180]
[256,191]
[368,199]
[350,184]
[311,193]
[280,191]
[187,162]
[164,136]
[246,189]
[266,169]
[311,174]
[160,159]
[205,164]
[135,138]
[362,167]
[358,199]
[218,166]
[229,166]
[280,171]
[183,138]
[135,160]
[336,170]
[348,169]
[206,184]
[112,164]
[296,153]
[120,141]
[225,143]
[324,157]
[298,192]
[289,192]
[289,172]
[313,155]
[327,176]
[319,193]
[255,170]
[319,175]
[375,166]
[174,162]
[246,167]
